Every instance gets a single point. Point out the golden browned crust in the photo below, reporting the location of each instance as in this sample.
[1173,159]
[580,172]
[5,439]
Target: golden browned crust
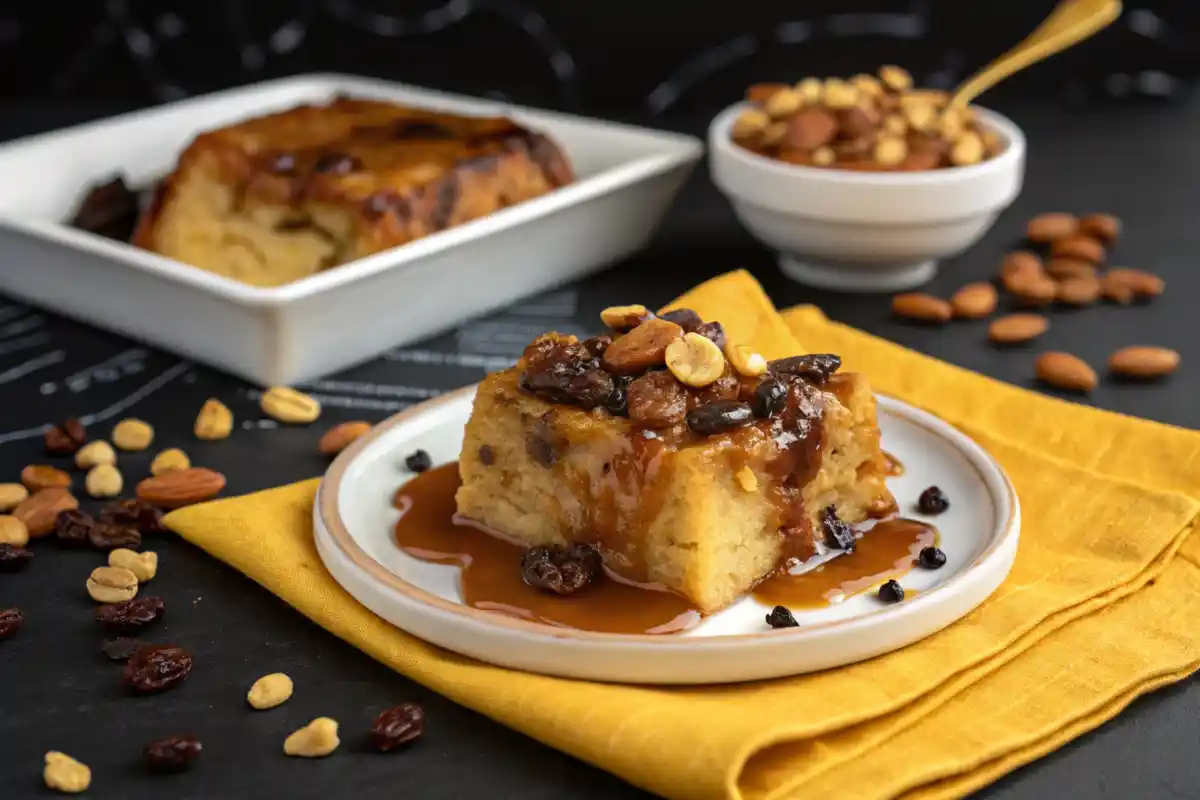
[275,198]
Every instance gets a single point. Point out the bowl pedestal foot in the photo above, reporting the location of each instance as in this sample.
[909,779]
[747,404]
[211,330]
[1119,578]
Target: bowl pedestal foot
[847,277]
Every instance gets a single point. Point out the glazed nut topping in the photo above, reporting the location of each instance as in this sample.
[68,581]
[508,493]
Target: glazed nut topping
[316,739]
[144,566]
[642,348]
[747,479]
[745,360]
[169,460]
[104,480]
[132,435]
[695,360]
[64,774]
[214,422]
[288,405]
[270,691]
[112,585]
[624,318]
[93,454]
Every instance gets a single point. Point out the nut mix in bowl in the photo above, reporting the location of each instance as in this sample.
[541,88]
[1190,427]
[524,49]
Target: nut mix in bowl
[864,123]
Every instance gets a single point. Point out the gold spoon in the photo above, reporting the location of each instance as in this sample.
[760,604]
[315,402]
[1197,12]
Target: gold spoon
[1070,23]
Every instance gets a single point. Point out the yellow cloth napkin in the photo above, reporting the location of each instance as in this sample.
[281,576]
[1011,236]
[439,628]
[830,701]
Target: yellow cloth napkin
[1098,608]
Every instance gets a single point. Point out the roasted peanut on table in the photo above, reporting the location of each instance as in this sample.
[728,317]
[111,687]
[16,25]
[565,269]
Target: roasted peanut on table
[93,454]
[144,566]
[270,691]
[316,739]
[64,774]
[132,435]
[169,460]
[112,585]
[214,422]
[290,406]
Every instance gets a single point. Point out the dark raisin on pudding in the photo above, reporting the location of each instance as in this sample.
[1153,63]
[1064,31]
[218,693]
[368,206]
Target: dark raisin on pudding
[838,534]
[487,456]
[617,403]
[712,331]
[891,592]
[656,400]
[566,373]
[598,344]
[780,617]
[683,317]
[770,397]
[418,461]
[561,570]
[815,368]
[933,501]
[719,417]
[931,558]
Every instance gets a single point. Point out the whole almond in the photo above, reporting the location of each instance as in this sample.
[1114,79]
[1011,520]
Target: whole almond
[1038,290]
[11,496]
[181,487]
[1079,291]
[340,436]
[40,476]
[1017,328]
[1052,226]
[1019,266]
[974,301]
[1064,268]
[288,405]
[1122,284]
[1143,362]
[41,509]
[214,422]
[1083,248]
[1065,371]
[643,347]
[811,128]
[1104,227]
[922,307]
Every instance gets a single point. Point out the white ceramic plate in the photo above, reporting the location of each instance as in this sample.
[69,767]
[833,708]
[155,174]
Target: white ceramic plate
[354,518]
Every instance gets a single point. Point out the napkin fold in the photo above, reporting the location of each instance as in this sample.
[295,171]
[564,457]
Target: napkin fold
[1100,607]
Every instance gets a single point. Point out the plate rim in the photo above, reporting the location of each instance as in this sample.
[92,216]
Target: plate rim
[326,512]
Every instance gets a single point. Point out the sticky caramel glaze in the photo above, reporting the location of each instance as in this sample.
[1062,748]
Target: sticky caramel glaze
[491,574]
[894,466]
[885,552]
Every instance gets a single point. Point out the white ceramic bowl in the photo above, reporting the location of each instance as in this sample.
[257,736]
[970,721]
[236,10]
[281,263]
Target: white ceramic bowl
[864,231]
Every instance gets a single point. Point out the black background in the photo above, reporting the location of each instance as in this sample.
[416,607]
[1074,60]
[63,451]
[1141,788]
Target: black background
[1111,127]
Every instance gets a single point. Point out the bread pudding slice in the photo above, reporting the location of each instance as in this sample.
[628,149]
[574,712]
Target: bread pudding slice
[284,196]
[705,494]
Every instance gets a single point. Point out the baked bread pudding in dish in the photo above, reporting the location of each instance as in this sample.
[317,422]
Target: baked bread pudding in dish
[688,462]
[278,198]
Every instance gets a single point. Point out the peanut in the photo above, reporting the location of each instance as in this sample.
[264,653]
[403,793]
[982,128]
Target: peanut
[133,435]
[112,584]
[93,454]
[288,405]
[144,566]
[104,480]
[214,422]
[316,739]
[270,691]
[169,460]
[64,774]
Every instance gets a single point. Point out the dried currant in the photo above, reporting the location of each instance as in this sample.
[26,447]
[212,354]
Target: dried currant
[719,417]
[598,344]
[14,558]
[933,501]
[815,367]
[931,558]
[617,403]
[770,398]
[66,437]
[11,620]
[120,648]
[561,570]
[109,209]
[838,534]
[173,754]
[131,615]
[543,443]
[487,456]
[540,348]
[73,527]
[685,318]
[110,536]
[157,667]
[726,387]
[657,400]
[713,331]
[780,617]
[418,461]
[398,726]
[135,514]
[891,592]
[337,164]
[568,374]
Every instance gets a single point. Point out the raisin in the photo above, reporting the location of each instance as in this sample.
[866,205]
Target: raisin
[120,648]
[931,558]
[418,461]
[725,387]
[11,620]
[543,443]
[598,344]
[657,400]
[933,501]
[770,398]
[383,202]
[815,368]
[617,403]
[397,726]
[561,570]
[109,536]
[66,437]
[110,210]
[134,513]
[568,374]
[719,417]
[131,615]
[337,164]
[157,667]
[14,558]
[891,592]
[173,754]
[685,318]
[487,456]
[713,331]
[73,527]
[539,348]
[838,534]
[780,617]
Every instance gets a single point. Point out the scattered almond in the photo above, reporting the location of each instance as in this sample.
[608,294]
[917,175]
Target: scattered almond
[642,348]
[64,774]
[1082,248]
[288,405]
[1050,227]
[1079,291]
[922,307]
[11,496]
[181,487]
[13,531]
[1143,362]
[40,476]
[93,454]
[1065,268]
[974,301]
[144,565]
[133,435]
[811,128]
[625,318]
[41,509]
[1019,266]
[169,460]
[1065,371]
[270,691]
[104,480]
[1104,227]
[341,436]
[1124,282]
[1038,290]
[1017,328]
[317,738]
[214,422]
[112,585]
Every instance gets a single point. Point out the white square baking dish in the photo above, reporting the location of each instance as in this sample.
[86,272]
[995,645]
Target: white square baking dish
[626,179]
